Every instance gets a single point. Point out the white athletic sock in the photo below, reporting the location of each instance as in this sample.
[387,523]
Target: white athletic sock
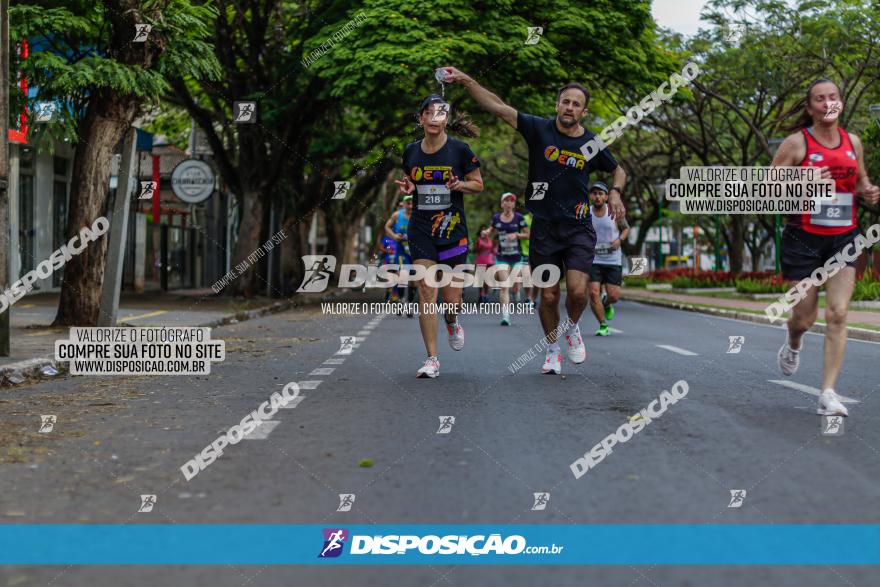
[554,347]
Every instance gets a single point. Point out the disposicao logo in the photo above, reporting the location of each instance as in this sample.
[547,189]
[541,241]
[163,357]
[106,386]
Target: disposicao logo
[334,541]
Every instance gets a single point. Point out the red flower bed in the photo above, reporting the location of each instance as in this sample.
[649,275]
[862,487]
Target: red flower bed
[688,277]
[662,275]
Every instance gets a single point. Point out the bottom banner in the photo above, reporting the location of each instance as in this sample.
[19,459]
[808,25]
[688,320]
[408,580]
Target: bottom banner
[655,544]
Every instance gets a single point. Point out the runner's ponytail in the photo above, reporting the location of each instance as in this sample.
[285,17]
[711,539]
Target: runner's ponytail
[464,126]
[800,107]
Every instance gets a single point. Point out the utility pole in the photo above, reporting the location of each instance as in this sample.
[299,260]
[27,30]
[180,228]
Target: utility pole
[4,172]
[118,231]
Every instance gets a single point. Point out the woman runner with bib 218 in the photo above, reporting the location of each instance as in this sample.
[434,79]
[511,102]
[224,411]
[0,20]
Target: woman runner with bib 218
[439,171]
[810,240]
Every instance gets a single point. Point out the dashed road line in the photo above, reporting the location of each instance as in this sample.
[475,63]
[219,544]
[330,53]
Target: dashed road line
[678,350]
[262,431]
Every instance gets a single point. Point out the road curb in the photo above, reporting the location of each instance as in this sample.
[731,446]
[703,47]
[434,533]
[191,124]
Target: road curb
[853,332]
[17,373]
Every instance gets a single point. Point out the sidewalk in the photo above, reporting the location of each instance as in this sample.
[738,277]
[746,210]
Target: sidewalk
[33,339]
[864,325]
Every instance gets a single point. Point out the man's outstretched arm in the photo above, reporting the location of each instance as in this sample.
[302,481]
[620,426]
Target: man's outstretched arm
[489,101]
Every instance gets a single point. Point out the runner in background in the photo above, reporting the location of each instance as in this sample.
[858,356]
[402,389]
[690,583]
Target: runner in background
[484,256]
[530,291]
[808,241]
[439,170]
[511,228]
[387,252]
[397,228]
[607,266]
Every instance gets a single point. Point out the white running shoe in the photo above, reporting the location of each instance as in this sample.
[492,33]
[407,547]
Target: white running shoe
[456,335]
[577,352]
[505,318]
[830,405]
[431,368]
[788,359]
[552,363]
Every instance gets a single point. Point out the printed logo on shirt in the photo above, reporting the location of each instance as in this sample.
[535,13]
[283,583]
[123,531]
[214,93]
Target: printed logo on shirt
[582,210]
[431,173]
[816,157]
[851,155]
[842,172]
[444,221]
[565,158]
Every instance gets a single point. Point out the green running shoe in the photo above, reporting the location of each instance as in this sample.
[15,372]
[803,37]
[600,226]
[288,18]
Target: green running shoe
[609,312]
[603,330]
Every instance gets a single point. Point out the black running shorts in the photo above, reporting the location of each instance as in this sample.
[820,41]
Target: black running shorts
[610,274]
[568,246]
[804,252]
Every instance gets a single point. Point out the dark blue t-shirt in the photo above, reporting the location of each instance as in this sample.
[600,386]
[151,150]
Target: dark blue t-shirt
[557,164]
[437,210]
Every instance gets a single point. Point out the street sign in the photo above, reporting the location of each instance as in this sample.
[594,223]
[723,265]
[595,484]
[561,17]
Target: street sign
[192,181]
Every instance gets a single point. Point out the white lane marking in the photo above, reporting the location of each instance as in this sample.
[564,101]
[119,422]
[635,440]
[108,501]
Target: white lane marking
[778,327]
[310,384]
[262,431]
[338,361]
[355,345]
[363,333]
[322,371]
[615,330]
[810,390]
[675,349]
[293,403]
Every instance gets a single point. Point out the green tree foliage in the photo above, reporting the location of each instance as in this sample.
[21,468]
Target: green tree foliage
[86,60]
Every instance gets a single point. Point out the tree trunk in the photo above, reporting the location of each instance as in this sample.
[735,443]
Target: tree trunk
[336,240]
[108,117]
[861,264]
[249,240]
[735,250]
[875,268]
[292,250]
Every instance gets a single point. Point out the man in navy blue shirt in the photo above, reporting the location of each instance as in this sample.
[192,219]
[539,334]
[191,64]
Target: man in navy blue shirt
[557,195]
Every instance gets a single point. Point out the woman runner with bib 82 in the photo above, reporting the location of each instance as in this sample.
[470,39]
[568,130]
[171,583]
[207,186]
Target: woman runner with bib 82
[810,240]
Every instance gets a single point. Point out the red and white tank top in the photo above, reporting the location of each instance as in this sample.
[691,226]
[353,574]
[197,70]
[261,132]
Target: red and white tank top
[838,215]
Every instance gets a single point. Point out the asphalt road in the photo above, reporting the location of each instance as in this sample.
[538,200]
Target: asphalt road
[514,434]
